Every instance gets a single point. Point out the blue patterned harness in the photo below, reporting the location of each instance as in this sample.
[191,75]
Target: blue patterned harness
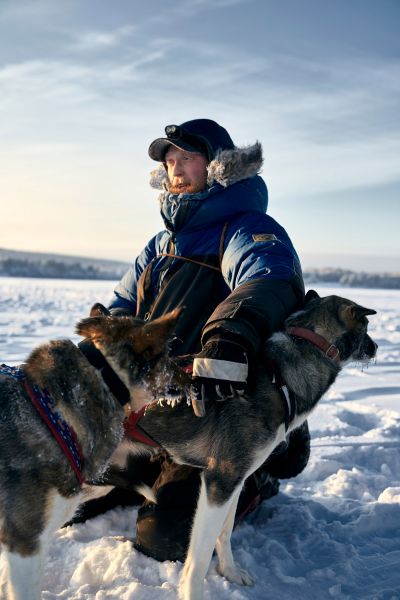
[44,404]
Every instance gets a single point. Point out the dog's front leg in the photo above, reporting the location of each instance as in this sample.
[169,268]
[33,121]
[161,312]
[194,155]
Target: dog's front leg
[227,566]
[208,522]
[24,575]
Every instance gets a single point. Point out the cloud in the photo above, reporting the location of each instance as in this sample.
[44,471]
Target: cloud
[343,99]
[324,125]
[93,41]
[185,9]
[76,81]
[45,82]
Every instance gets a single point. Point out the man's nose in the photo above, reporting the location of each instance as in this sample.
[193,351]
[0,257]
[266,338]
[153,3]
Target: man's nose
[176,169]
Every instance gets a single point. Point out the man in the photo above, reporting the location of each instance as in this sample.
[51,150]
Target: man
[235,271]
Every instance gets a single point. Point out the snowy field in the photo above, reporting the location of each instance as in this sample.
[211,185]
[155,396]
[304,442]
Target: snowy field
[331,533]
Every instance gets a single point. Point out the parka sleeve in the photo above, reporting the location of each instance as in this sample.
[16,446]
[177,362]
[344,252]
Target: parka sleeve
[262,269]
[125,292]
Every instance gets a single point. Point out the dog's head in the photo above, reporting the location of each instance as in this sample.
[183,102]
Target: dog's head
[136,350]
[341,322]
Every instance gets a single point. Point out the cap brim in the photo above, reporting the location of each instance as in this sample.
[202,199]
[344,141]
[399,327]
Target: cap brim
[159,147]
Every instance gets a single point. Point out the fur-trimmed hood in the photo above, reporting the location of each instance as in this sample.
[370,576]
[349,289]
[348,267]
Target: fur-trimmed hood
[227,168]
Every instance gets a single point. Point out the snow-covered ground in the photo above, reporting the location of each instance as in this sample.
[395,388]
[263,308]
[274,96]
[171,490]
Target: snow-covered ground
[331,533]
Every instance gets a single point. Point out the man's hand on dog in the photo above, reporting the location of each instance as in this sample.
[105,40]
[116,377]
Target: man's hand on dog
[220,372]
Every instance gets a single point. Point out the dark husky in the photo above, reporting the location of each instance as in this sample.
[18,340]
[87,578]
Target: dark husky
[294,369]
[39,489]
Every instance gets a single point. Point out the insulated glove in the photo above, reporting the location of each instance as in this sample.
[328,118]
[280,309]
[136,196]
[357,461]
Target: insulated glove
[219,372]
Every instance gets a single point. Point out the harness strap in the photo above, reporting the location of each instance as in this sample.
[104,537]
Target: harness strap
[63,433]
[222,241]
[191,260]
[198,262]
[111,379]
[289,399]
[133,430]
[131,425]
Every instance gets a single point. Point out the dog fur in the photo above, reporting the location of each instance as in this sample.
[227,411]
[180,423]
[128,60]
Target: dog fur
[235,437]
[39,490]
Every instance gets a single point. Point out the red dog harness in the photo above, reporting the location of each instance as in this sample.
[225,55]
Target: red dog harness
[132,428]
[134,431]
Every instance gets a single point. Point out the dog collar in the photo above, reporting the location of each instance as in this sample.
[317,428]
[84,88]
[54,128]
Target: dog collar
[111,379]
[330,350]
[44,404]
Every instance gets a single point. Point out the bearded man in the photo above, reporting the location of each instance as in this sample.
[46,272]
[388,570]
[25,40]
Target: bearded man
[236,272]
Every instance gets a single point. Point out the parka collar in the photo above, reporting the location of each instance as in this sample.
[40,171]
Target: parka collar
[227,168]
[233,187]
[195,211]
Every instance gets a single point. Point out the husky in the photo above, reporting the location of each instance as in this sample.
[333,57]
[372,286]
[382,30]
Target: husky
[59,426]
[295,367]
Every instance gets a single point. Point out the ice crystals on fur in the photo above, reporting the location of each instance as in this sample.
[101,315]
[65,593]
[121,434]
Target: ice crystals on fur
[227,168]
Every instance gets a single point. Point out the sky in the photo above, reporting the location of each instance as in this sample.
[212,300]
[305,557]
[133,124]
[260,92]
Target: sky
[86,85]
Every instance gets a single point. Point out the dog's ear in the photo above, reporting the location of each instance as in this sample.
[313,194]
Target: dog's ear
[98,310]
[147,339]
[311,295]
[90,327]
[355,312]
[155,334]
[361,311]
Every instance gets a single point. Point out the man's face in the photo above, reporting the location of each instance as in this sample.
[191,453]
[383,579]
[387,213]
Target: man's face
[187,171]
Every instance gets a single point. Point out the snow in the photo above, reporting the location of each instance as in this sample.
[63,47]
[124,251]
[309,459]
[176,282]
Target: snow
[331,533]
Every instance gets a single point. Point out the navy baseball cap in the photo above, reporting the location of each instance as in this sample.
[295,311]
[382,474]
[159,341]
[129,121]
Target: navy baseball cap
[199,135]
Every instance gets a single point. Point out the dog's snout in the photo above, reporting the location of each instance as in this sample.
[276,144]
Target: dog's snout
[371,347]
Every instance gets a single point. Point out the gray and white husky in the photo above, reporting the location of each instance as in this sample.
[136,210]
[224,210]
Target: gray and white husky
[39,489]
[236,436]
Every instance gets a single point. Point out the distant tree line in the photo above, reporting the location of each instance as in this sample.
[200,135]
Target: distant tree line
[347,278]
[58,269]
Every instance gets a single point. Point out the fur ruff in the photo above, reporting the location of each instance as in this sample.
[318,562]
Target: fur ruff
[227,168]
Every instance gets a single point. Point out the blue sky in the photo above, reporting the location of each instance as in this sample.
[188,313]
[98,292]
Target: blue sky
[86,85]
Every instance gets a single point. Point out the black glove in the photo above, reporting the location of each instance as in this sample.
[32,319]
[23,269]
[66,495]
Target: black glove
[290,457]
[219,372]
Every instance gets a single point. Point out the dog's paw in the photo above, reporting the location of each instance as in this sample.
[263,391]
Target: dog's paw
[237,575]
